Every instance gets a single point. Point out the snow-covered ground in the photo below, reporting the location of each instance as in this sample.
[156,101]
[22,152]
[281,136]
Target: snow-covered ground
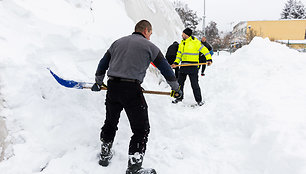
[3,133]
[253,121]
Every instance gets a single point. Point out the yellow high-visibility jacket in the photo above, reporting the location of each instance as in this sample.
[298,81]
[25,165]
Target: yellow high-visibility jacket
[188,51]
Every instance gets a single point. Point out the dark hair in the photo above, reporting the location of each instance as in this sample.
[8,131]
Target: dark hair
[142,25]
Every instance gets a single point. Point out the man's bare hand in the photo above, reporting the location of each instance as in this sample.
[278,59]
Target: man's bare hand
[173,65]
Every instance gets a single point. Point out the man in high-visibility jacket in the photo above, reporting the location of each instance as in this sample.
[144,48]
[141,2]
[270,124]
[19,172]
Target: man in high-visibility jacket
[188,53]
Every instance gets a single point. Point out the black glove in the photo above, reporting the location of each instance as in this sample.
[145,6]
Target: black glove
[99,83]
[202,74]
[96,87]
[177,94]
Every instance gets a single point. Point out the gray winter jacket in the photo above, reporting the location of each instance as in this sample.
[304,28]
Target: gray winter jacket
[130,56]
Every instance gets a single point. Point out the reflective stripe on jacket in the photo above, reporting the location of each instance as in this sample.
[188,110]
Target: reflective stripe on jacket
[188,51]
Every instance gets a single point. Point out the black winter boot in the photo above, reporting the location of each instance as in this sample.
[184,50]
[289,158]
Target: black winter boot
[176,101]
[106,153]
[135,163]
[200,103]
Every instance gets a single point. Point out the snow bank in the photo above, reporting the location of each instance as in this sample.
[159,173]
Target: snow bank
[3,135]
[257,96]
[164,20]
[252,123]
[45,126]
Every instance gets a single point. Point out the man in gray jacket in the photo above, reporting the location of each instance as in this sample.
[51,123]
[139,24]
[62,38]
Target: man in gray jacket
[127,61]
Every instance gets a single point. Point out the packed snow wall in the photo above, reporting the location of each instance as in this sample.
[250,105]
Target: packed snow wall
[166,22]
[68,36]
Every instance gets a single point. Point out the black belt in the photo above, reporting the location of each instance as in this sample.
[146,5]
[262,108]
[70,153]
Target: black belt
[123,79]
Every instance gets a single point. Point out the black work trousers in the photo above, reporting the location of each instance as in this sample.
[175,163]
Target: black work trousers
[176,72]
[128,96]
[192,72]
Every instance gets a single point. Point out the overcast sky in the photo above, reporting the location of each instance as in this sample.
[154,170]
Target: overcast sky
[227,13]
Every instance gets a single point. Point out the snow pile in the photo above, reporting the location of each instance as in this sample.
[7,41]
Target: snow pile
[163,19]
[70,38]
[257,98]
[252,123]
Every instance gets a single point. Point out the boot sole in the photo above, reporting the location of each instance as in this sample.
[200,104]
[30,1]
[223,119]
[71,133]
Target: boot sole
[143,171]
[105,162]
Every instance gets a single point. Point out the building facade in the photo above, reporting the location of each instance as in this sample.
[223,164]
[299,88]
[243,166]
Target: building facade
[291,32]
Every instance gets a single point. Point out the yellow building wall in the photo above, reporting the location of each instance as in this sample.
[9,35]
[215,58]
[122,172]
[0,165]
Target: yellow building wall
[280,29]
[297,46]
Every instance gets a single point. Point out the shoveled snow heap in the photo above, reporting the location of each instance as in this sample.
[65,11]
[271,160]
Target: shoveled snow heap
[253,121]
